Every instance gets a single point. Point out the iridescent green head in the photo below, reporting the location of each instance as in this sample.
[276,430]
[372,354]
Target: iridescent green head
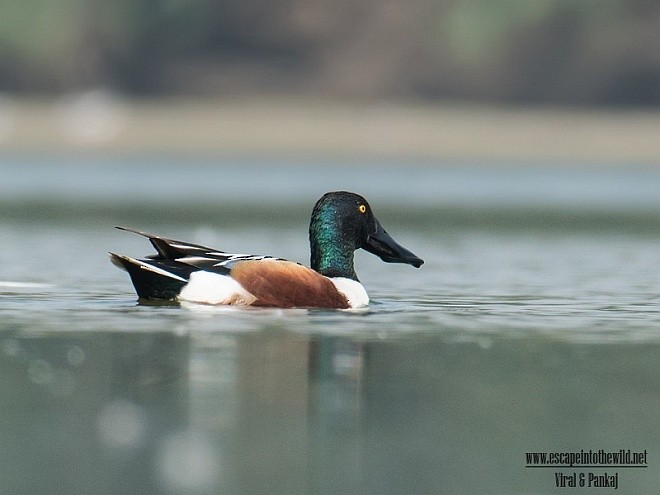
[343,222]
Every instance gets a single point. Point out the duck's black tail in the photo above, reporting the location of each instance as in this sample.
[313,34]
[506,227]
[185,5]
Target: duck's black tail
[154,279]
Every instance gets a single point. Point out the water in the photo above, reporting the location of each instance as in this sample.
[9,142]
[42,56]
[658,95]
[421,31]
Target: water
[533,326]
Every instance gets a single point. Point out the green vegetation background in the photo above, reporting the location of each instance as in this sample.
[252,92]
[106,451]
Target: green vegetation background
[569,52]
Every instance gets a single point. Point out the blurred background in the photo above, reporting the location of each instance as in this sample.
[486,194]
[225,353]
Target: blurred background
[425,77]
[512,144]
[591,52]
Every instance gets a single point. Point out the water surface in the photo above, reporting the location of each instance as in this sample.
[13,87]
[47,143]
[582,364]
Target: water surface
[532,327]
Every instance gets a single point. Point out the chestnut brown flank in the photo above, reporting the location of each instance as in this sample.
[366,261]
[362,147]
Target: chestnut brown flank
[286,284]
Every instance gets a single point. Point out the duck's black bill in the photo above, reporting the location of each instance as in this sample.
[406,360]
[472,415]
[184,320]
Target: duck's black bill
[387,249]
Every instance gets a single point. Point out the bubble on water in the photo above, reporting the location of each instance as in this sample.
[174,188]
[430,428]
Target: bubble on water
[75,355]
[347,364]
[40,372]
[122,424]
[181,331]
[188,462]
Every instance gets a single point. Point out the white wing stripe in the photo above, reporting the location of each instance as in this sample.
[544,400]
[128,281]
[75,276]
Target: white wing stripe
[159,271]
[184,246]
[243,257]
[194,259]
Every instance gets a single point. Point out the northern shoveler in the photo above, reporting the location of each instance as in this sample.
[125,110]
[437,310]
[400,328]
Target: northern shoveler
[341,223]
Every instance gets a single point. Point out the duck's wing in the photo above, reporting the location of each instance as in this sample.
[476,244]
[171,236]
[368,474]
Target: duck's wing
[177,257]
[170,249]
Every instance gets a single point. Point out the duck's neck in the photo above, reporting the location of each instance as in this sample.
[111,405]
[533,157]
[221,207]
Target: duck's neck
[331,252]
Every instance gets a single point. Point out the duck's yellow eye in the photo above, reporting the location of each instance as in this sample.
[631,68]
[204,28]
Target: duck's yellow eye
[362,209]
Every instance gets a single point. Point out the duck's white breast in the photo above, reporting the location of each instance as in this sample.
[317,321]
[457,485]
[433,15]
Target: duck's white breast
[353,290]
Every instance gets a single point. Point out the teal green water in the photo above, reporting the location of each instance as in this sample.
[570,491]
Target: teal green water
[533,326]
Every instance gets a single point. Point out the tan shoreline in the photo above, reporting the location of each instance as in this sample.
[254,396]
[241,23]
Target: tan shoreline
[97,122]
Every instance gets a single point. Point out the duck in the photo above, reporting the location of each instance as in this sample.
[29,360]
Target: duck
[341,223]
